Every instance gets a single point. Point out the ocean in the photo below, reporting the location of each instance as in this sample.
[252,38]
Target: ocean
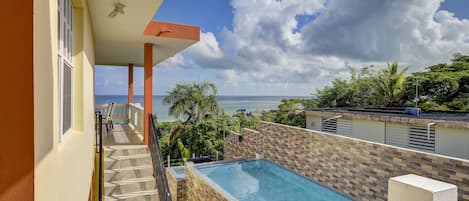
[230,104]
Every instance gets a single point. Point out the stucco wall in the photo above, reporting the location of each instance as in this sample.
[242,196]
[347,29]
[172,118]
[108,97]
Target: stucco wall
[63,167]
[452,142]
[313,122]
[369,130]
[355,167]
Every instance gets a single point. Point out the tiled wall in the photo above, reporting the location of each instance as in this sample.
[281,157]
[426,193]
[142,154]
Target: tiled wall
[199,190]
[176,187]
[358,168]
[245,146]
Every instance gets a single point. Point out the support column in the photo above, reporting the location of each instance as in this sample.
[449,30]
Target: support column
[23,63]
[130,90]
[148,89]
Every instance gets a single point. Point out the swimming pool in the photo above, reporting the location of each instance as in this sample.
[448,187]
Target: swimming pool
[261,180]
[178,172]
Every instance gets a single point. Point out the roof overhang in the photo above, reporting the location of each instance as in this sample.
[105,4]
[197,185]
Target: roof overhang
[119,40]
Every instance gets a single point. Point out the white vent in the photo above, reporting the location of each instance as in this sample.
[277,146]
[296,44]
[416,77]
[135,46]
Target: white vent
[329,126]
[344,127]
[420,139]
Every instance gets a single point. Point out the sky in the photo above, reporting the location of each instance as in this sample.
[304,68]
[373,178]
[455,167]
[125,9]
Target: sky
[294,47]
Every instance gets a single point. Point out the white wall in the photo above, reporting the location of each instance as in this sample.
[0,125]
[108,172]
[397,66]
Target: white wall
[313,122]
[452,142]
[369,130]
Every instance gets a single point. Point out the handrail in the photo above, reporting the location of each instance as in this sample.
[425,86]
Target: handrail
[158,166]
[99,150]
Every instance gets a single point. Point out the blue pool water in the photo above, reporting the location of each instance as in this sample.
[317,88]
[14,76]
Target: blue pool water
[179,171]
[262,180]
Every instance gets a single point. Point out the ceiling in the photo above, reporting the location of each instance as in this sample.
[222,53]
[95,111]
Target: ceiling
[120,40]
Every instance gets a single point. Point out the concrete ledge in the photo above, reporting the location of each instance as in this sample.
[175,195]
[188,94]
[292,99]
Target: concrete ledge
[413,187]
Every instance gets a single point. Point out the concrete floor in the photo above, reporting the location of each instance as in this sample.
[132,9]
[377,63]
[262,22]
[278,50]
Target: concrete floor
[122,134]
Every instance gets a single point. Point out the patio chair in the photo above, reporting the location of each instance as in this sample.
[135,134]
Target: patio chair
[107,120]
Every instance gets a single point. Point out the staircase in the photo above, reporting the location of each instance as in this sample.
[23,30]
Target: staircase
[128,174]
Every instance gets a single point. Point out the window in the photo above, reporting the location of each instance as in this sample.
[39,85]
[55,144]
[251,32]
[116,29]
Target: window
[420,138]
[65,41]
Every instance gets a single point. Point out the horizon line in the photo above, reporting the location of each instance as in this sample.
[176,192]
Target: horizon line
[217,95]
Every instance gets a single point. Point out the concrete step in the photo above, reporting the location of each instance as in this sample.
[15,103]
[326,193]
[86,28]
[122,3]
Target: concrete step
[129,186]
[128,173]
[151,195]
[118,162]
[125,150]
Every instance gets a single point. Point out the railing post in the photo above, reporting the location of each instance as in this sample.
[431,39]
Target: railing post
[169,161]
[100,179]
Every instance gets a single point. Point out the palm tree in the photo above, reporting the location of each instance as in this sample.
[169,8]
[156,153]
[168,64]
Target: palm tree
[389,85]
[192,102]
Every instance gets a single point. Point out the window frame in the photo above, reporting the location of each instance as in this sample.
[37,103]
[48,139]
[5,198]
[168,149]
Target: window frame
[64,57]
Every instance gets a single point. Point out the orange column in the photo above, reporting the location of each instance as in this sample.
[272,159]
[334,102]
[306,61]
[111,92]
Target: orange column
[17,102]
[148,89]
[130,91]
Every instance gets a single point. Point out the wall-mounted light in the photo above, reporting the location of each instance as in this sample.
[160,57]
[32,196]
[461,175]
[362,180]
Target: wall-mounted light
[118,9]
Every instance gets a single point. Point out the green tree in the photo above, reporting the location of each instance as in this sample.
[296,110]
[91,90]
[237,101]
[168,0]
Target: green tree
[441,86]
[389,85]
[355,92]
[193,102]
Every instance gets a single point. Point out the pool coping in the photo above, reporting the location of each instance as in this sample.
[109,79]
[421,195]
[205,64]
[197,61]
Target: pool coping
[231,197]
[174,174]
[210,182]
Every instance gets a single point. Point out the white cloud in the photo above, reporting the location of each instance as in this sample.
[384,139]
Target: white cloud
[266,49]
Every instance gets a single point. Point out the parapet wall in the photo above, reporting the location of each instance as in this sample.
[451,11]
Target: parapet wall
[355,167]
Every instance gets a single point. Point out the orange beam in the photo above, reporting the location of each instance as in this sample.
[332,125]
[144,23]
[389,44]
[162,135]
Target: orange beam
[130,91]
[17,88]
[148,89]
[170,30]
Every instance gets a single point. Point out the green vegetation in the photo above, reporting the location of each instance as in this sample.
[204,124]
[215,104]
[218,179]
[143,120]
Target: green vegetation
[441,87]
[202,123]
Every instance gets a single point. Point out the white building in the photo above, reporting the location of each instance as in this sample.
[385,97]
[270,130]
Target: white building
[440,133]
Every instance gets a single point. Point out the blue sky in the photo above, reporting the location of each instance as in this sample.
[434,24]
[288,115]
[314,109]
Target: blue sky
[293,47]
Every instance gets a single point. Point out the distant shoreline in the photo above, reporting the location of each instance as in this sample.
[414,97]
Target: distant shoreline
[218,95]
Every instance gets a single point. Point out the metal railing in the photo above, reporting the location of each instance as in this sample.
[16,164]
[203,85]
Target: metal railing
[99,150]
[158,166]
[171,162]
[120,113]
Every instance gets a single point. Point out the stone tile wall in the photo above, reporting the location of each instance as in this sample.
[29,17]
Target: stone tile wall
[245,145]
[355,167]
[199,190]
[176,187]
